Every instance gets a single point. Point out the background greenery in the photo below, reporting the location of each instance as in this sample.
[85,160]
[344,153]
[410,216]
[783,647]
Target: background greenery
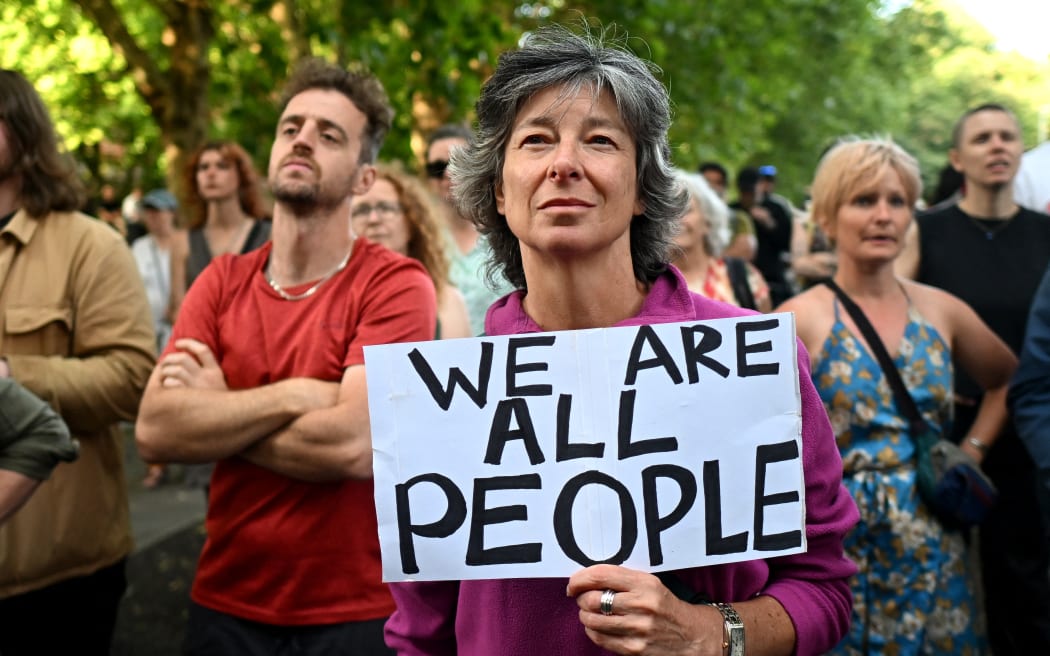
[135,84]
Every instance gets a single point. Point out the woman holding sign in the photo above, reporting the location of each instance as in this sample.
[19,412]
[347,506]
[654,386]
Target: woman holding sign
[912,590]
[570,180]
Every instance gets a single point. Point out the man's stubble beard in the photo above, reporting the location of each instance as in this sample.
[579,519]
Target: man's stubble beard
[306,199]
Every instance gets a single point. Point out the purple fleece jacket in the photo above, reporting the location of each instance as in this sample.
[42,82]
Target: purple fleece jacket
[526,617]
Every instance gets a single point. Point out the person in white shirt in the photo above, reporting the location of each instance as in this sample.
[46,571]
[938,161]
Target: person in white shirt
[1032,184]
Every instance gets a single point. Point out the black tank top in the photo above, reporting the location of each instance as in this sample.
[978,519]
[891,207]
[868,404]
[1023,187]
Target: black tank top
[200,255]
[994,266]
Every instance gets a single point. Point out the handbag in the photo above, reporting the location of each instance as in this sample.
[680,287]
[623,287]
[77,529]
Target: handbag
[949,481]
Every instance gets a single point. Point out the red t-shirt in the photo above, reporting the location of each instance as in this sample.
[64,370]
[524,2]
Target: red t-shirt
[279,550]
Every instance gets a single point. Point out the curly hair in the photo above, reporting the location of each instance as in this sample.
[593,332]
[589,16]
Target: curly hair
[49,176]
[356,83]
[249,189]
[554,56]
[426,240]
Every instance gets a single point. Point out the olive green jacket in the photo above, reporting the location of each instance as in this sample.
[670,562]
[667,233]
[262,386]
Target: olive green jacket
[33,438]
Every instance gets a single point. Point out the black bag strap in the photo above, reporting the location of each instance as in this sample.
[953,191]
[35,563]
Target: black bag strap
[905,402]
[737,269]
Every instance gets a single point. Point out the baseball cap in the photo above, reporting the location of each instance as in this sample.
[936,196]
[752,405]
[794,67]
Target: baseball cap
[767,171]
[160,199]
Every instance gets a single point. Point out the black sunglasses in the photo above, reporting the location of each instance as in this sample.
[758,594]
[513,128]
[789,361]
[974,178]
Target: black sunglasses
[436,169]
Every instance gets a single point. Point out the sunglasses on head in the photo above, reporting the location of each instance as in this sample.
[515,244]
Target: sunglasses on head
[436,169]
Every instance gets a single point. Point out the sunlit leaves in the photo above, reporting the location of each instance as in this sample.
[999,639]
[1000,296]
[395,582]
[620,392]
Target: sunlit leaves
[767,81]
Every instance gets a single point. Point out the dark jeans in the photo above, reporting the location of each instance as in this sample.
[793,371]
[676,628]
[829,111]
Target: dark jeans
[1014,556]
[211,633]
[75,616]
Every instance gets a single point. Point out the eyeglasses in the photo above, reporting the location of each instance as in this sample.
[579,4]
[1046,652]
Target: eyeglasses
[383,209]
[436,169]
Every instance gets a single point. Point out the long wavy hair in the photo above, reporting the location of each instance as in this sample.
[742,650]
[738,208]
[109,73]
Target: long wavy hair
[249,189]
[554,56]
[49,176]
[426,240]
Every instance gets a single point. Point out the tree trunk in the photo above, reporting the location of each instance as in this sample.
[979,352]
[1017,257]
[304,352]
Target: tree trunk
[177,96]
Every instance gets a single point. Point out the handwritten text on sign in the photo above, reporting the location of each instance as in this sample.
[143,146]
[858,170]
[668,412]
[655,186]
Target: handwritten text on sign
[656,447]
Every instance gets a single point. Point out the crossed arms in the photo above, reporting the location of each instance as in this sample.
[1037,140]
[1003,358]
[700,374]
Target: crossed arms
[303,428]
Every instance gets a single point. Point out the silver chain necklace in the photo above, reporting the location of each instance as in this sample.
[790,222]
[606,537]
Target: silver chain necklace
[309,292]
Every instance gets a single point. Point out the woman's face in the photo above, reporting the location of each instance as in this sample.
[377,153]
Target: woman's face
[872,223]
[217,177]
[694,227]
[569,185]
[378,216]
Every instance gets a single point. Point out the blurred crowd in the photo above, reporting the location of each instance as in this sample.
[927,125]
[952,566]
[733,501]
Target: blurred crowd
[228,324]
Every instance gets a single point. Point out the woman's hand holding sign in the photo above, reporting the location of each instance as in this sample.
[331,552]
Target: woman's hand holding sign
[646,618]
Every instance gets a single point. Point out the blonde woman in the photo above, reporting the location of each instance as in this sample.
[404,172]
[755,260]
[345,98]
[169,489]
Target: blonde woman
[913,593]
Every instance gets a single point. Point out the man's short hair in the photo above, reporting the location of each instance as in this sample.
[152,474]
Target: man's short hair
[356,83]
[986,107]
[450,131]
[714,166]
[746,179]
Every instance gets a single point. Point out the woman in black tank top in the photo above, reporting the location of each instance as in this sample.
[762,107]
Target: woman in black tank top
[226,212]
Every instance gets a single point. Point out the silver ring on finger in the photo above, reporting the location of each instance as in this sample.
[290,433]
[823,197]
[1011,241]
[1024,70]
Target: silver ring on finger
[605,604]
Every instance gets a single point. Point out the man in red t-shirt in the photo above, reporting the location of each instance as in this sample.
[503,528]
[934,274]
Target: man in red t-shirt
[265,375]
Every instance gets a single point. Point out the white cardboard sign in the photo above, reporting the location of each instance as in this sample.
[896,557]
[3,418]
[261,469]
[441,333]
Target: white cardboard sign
[655,447]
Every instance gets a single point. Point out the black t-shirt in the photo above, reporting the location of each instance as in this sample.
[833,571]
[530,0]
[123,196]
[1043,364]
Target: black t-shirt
[995,266]
[773,243]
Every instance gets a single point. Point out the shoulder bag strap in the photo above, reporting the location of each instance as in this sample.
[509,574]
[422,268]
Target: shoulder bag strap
[900,392]
[737,269]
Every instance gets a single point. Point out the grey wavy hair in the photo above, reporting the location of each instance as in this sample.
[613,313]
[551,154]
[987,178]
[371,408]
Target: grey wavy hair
[554,56]
[712,208]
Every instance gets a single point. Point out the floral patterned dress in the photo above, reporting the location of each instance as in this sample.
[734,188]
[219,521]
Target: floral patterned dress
[912,593]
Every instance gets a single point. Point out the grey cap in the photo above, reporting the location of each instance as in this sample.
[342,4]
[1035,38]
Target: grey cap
[159,199]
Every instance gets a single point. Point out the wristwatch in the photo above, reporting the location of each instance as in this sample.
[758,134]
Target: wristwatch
[733,636]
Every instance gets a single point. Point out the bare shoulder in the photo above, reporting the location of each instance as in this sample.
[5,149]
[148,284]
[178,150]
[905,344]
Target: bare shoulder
[814,312]
[947,312]
[180,244]
[455,320]
[931,300]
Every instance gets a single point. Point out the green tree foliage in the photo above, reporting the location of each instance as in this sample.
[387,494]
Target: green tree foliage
[136,84]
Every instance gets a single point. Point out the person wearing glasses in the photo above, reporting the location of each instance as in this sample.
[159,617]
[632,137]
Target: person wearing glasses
[398,213]
[468,252]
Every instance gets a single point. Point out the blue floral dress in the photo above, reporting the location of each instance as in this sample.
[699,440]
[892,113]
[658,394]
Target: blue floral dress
[912,594]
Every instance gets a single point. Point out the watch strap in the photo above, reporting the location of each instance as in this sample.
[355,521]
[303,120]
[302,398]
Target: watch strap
[733,636]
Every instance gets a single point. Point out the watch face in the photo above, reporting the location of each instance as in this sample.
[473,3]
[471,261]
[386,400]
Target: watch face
[736,640]
[734,628]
